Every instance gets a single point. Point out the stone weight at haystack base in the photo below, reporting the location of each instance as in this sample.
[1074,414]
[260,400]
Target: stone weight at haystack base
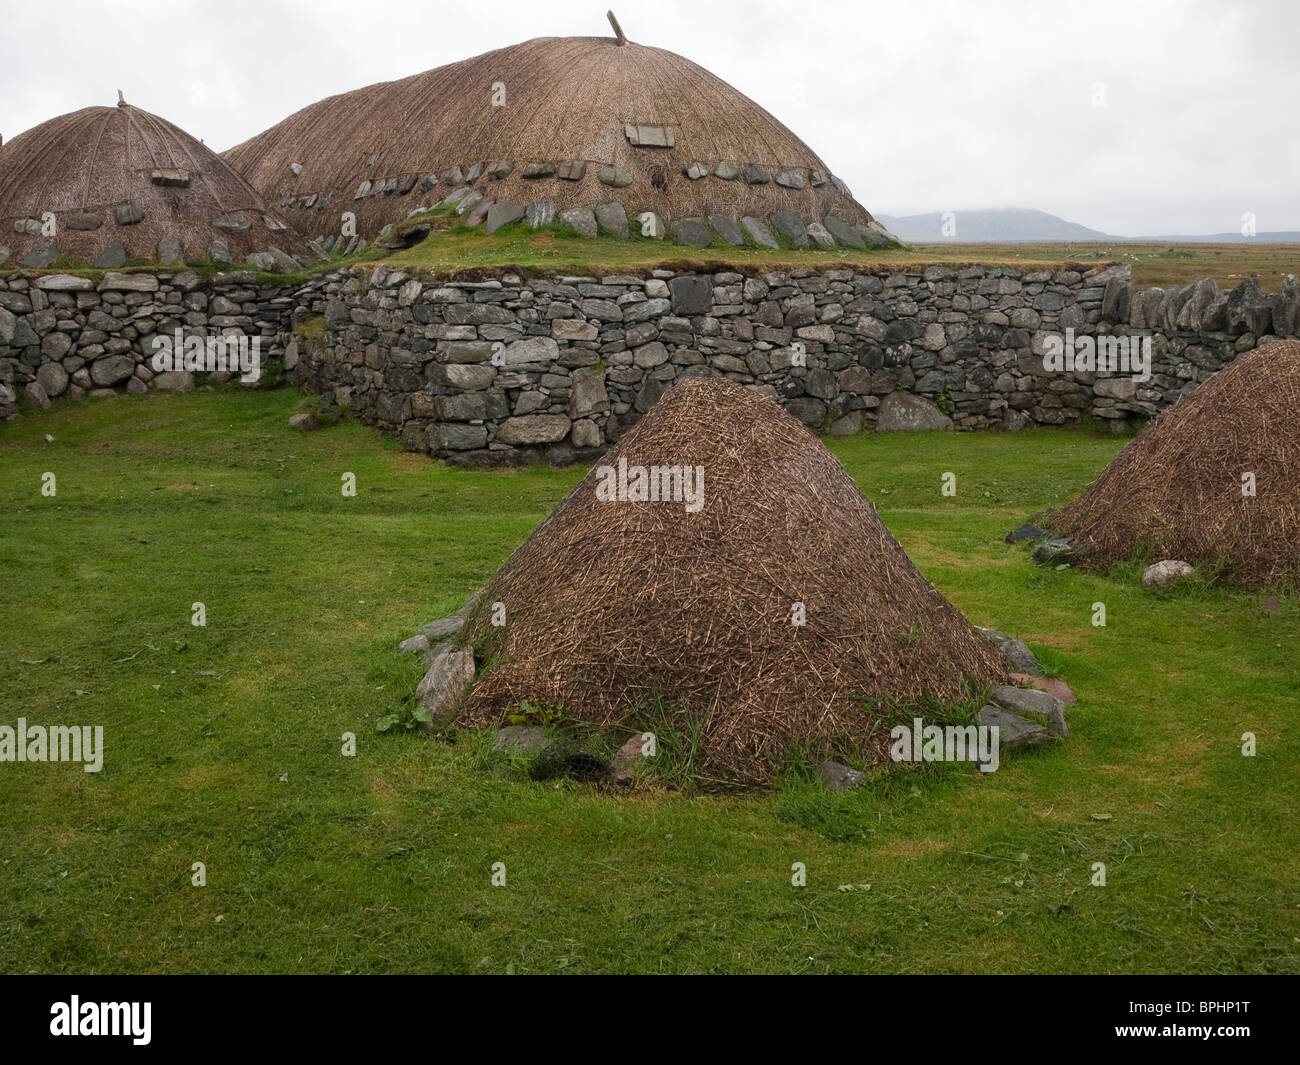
[679,614]
[590,131]
[105,186]
[1214,481]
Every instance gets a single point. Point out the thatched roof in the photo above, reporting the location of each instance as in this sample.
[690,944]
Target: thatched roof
[1176,490]
[567,100]
[647,616]
[122,176]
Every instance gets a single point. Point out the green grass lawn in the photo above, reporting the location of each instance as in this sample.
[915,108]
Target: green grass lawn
[223,742]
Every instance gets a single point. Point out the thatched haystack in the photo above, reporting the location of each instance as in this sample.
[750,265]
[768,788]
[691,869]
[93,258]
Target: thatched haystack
[611,606]
[1176,490]
[125,185]
[567,121]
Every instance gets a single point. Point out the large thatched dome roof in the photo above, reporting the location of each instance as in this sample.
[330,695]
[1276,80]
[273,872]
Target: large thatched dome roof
[573,121]
[123,183]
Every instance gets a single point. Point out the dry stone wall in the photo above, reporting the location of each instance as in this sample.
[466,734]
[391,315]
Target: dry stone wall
[505,369]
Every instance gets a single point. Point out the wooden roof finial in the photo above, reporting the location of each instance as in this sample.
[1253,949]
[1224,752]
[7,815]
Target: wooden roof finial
[618,30]
[120,98]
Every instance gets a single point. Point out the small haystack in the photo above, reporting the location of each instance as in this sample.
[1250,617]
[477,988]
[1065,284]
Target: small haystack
[614,604]
[105,186]
[1181,489]
[560,122]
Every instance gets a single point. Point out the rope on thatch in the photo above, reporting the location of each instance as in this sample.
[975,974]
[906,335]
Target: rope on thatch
[613,608]
[1176,490]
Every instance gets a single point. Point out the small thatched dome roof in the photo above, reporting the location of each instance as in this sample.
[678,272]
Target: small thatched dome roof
[573,121]
[122,183]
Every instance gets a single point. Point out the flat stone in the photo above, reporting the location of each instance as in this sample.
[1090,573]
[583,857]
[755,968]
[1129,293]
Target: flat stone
[1027,531]
[726,170]
[1032,702]
[1051,685]
[170,252]
[444,685]
[691,294]
[539,170]
[789,178]
[1165,573]
[580,219]
[142,282]
[572,170]
[1013,730]
[173,381]
[541,213]
[691,231]
[64,283]
[502,214]
[469,201]
[111,258]
[790,226]
[534,429]
[838,777]
[615,176]
[820,235]
[843,232]
[725,227]
[758,232]
[111,370]
[128,214]
[611,218]
[40,256]
[903,412]
[81,220]
[232,222]
[755,175]
[1054,551]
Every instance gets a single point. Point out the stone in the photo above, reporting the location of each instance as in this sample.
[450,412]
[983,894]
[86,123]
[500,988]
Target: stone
[1054,551]
[1052,685]
[1013,730]
[304,421]
[1166,572]
[450,436]
[533,350]
[541,213]
[615,177]
[580,219]
[444,628]
[170,252]
[820,235]
[573,329]
[759,233]
[691,294]
[232,222]
[112,257]
[55,345]
[36,395]
[726,170]
[502,214]
[219,252]
[1036,703]
[64,283]
[170,178]
[623,765]
[696,171]
[789,179]
[444,685]
[1019,657]
[588,394]
[471,377]
[790,226]
[572,170]
[838,777]
[534,429]
[725,227]
[1027,531]
[585,434]
[520,741]
[755,175]
[468,202]
[128,214]
[52,377]
[691,231]
[173,381]
[81,220]
[847,425]
[612,219]
[471,175]
[903,412]
[114,282]
[40,256]
[111,370]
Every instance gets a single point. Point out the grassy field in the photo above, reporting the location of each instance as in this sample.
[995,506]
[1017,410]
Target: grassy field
[223,742]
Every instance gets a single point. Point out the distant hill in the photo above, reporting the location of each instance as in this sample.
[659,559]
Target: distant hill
[988,224]
[1278,237]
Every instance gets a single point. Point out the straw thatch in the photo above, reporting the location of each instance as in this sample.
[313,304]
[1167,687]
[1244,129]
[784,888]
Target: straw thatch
[566,99]
[615,607]
[1175,492]
[90,167]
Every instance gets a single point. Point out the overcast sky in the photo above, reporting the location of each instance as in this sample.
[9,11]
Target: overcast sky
[920,106]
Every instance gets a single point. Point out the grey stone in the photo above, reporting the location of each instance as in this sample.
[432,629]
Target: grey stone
[615,176]
[691,294]
[1020,658]
[581,219]
[444,685]
[902,412]
[533,171]
[534,429]
[572,170]
[304,421]
[843,232]
[114,282]
[218,252]
[82,221]
[838,777]
[173,381]
[532,350]
[725,227]
[36,395]
[790,226]
[612,219]
[469,201]
[128,214]
[521,740]
[52,377]
[789,178]
[541,213]
[726,170]
[588,394]
[820,235]
[1054,551]
[1160,574]
[502,214]
[232,222]
[500,169]
[755,175]
[111,370]
[170,252]
[1013,730]
[64,283]
[691,231]
[1027,531]
[111,258]
[759,233]
[1032,701]
[40,256]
